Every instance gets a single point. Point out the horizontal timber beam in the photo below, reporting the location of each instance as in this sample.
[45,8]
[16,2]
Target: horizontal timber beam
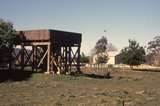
[41,43]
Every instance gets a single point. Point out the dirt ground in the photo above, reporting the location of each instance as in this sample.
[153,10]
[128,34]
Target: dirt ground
[124,88]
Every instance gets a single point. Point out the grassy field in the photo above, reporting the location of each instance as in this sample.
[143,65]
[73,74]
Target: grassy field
[129,88]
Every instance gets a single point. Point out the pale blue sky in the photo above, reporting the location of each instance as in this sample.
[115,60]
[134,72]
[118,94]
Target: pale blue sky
[123,19]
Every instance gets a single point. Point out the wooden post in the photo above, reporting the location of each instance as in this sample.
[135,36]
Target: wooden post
[70,61]
[78,60]
[66,60]
[48,58]
[33,58]
[10,58]
[36,56]
[22,56]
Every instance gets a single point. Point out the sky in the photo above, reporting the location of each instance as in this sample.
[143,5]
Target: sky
[122,19]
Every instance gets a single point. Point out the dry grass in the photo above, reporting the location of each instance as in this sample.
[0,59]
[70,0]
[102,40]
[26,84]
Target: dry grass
[130,88]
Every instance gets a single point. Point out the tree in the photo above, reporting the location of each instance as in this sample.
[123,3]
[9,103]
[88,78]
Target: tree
[100,50]
[133,55]
[101,45]
[154,50]
[8,38]
[154,45]
[84,58]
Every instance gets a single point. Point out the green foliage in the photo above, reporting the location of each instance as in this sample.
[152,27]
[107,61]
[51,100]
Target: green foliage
[102,58]
[101,50]
[154,45]
[8,36]
[84,58]
[133,54]
[101,45]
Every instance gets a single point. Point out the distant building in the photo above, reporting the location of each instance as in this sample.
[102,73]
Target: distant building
[118,59]
[112,56]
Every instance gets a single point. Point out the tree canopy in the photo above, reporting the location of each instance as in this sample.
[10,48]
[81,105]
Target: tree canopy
[154,45]
[134,54]
[100,50]
[154,51]
[8,35]
[101,45]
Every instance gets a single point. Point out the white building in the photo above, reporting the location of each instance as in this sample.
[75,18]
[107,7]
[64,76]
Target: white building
[111,56]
